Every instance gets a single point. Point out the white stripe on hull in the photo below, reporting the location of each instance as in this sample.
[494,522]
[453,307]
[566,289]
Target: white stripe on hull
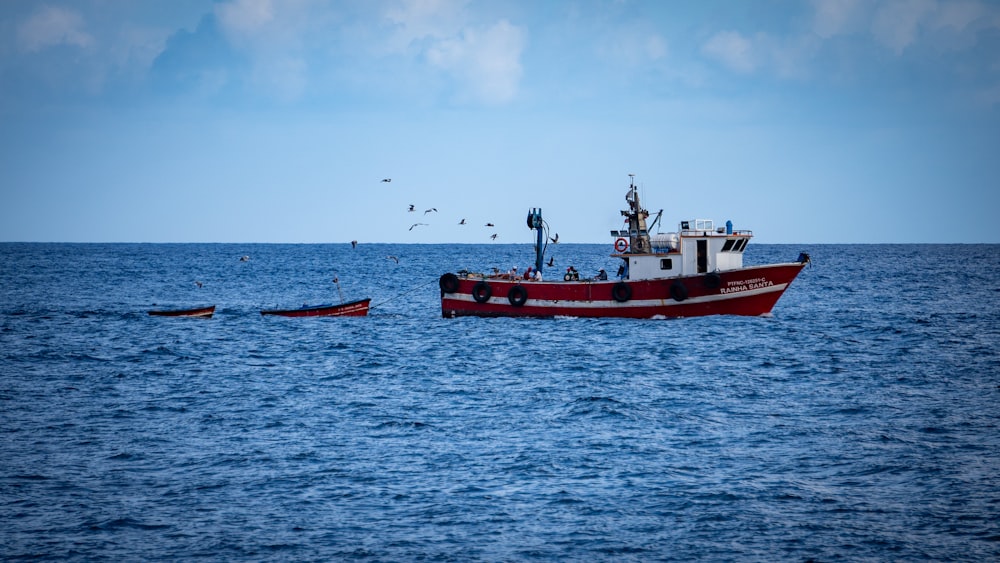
[607,304]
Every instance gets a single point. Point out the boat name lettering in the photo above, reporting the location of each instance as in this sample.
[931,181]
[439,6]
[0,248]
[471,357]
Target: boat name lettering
[746,285]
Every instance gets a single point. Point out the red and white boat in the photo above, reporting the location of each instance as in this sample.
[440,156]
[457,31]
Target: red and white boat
[693,272]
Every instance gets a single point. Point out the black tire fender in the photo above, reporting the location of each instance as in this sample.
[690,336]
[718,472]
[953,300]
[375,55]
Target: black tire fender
[621,292]
[482,292]
[678,291]
[518,295]
[713,280]
[448,283]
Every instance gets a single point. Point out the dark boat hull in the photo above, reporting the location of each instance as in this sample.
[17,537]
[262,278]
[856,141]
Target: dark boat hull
[748,291]
[357,308]
[200,312]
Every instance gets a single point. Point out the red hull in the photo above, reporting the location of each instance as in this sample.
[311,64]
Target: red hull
[203,312]
[353,309]
[748,291]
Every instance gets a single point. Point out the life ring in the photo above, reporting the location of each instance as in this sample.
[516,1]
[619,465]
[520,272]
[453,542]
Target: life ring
[713,280]
[678,291]
[621,292]
[621,245]
[482,292]
[448,283]
[517,295]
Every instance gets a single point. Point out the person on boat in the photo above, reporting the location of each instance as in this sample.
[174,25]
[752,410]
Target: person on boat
[621,271]
[571,274]
[512,274]
[538,275]
[601,275]
[527,273]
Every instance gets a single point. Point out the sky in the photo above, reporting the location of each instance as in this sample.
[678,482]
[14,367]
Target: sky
[835,121]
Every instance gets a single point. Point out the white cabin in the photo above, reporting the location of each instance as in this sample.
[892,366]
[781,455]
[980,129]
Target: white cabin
[697,247]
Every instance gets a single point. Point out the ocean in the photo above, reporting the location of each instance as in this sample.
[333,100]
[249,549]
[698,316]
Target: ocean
[860,421]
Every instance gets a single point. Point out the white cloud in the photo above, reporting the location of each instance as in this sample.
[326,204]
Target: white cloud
[486,60]
[245,16]
[733,50]
[483,57]
[272,25]
[834,17]
[896,24]
[277,36]
[53,26]
[958,15]
[419,19]
[900,24]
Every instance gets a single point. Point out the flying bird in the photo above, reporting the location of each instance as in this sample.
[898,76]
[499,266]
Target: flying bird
[416,225]
[434,209]
[386,179]
[393,258]
[198,283]
[555,240]
[462,222]
[552,260]
[493,236]
[412,208]
[489,224]
[244,258]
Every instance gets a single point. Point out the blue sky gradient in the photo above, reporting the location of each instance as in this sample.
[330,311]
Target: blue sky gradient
[841,121]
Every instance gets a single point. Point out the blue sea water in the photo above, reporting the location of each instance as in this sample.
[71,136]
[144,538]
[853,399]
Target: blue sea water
[859,422]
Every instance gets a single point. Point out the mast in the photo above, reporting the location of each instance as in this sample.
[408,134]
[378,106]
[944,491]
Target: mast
[638,233]
[535,222]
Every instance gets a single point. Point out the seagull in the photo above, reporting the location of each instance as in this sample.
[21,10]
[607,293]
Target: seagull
[386,179]
[416,225]
[489,224]
[462,222]
[434,209]
[393,258]
[552,260]
[412,208]
[555,240]
[244,258]
[198,283]
[493,236]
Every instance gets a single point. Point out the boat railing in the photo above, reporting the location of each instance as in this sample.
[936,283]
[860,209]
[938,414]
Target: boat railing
[720,232]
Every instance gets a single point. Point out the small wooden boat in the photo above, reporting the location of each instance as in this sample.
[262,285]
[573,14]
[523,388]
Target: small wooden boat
[357,308]
[201,312]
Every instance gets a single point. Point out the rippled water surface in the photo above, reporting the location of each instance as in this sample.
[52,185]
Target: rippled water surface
[861,421]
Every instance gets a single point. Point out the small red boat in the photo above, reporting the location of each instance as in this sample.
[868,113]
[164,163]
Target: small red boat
[693,272]
[357,308]
[201,312]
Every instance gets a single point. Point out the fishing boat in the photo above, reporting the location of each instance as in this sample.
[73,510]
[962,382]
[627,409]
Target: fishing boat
[696,271]
[357,308]
[201,312]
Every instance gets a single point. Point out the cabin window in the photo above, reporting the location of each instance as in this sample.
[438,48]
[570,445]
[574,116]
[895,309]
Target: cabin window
[685,225]
[666,263]
[740,245]
[729,245]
